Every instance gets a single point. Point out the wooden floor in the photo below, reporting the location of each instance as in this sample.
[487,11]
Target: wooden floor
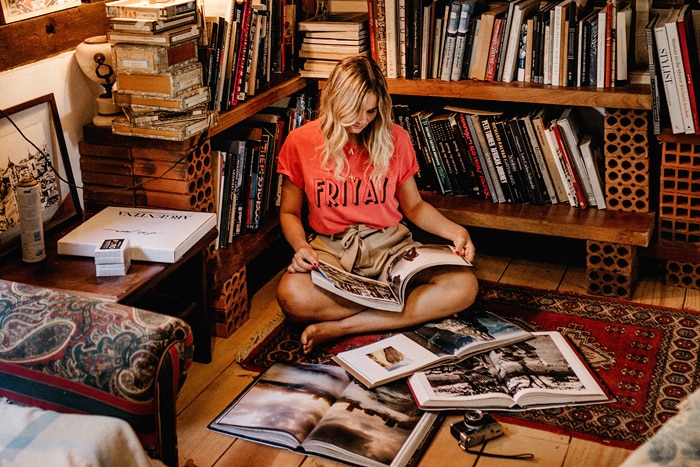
[209,388]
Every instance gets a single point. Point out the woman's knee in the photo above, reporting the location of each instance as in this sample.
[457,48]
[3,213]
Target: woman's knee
[292,297]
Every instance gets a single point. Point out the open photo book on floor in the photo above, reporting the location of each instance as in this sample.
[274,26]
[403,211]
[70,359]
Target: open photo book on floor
[448,340]
[542,372]
[320,410]
[389,290]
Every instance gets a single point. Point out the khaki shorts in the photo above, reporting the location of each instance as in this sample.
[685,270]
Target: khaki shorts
[362,250]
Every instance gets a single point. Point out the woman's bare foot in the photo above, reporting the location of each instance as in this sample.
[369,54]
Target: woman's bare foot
[318,333]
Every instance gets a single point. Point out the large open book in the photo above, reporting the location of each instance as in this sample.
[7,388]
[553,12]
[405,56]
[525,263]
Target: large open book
[435,343]
[542,372]
[388,291]
[319,410]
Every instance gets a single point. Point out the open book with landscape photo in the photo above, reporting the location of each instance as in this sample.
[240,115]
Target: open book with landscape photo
[319,410]
[388,291]
[542,372]
[445,341]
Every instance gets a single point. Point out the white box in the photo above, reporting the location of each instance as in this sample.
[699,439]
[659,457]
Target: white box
[112,269]
[113,251]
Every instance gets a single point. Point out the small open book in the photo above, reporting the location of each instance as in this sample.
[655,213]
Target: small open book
[388,291]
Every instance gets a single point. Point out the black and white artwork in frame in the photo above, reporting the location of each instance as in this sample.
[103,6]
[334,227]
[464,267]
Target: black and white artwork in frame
[32,144]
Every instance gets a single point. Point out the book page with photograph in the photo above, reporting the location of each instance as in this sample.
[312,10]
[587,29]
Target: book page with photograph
[319,410]
[447,340]
[388,291]
[543,372]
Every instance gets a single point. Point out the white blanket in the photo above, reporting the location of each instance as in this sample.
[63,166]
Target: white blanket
[33,437]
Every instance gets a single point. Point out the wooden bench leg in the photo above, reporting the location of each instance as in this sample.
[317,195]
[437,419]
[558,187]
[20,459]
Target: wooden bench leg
[611,269]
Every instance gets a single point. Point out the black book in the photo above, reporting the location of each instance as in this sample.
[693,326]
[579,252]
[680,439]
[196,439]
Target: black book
[511,170]
[495,154]
[425,162]
[571,47]
[468,151]
[402,115]
[319,410]
[444,138]
[531,176]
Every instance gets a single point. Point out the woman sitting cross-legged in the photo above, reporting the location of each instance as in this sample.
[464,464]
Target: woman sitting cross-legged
[354,170]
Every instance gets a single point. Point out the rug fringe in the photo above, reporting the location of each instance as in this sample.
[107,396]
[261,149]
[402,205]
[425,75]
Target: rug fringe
[259,337]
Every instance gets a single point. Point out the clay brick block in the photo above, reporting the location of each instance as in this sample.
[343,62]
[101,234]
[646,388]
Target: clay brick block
[683,274]
[230,306]
[102,150]
[627,163]
[612,269]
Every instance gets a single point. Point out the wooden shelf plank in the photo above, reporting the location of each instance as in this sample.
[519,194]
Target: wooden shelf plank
[631,96]
[559,220]
[37,38]
[283,86]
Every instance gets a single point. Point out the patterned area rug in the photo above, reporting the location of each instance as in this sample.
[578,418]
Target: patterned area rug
[646,355]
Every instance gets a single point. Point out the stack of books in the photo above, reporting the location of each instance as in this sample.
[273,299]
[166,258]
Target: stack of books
[159,77]
[329,38]
[113,257]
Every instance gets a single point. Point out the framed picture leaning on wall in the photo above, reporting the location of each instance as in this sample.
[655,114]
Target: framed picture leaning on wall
[32,144]
[17,10]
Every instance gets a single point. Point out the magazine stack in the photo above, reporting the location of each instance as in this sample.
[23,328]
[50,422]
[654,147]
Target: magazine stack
[329,38]
[158,76]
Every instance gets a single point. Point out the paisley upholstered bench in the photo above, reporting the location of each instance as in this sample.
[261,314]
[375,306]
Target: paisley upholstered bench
[77,354]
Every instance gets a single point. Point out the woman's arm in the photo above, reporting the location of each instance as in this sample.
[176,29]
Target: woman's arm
[425,216]
[291,204]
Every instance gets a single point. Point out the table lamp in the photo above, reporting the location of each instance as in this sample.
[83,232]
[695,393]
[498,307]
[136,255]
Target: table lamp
[94,56]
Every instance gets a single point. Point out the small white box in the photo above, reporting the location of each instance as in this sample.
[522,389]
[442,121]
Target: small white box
[112,269]
[113,251]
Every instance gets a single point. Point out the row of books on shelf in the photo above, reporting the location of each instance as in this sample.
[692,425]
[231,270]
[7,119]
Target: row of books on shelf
[176,67]
[246,157]
[542,156]
[558,42]
[673,70]
[253,40]
[331,414]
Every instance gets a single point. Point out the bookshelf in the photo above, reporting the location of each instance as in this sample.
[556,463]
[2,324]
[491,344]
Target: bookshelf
[612,235]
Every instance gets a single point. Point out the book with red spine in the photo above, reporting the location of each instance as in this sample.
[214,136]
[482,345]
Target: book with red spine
[569,165]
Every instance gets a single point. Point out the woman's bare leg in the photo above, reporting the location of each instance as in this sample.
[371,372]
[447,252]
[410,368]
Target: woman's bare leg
[438,294]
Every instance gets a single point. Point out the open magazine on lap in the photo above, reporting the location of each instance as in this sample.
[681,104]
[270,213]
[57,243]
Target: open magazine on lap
[389,290]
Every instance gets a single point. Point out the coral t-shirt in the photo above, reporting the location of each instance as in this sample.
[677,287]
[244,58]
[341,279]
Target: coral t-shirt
[335,204]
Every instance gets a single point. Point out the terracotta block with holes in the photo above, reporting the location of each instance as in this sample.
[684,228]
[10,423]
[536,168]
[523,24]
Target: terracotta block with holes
[611,269]
[679,199]
[627,163]
[229,306]
[683,274]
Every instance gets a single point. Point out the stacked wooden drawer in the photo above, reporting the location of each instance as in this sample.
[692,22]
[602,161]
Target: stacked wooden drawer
[612,268]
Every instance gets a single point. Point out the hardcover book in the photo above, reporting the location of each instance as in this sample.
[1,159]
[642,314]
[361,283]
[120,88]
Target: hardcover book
[141,58]
[171,131]
[141,102]
[436,343]
[167,38]
[342,21]
[145,9]
[388,291]
[170,83]
[151,26]
[319,410]
[157,235]
[542,372]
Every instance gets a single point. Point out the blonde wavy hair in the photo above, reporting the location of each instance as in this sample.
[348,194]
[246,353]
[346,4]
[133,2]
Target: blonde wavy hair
[349,85]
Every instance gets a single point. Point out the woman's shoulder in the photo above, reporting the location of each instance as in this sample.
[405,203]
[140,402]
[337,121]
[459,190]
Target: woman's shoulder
[398,132]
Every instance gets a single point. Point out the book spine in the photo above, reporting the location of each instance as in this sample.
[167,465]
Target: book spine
[672,32]
[472,151]
[689,52]
[539,159]
[450,41]
[461,42]
[372,29]
[149,13]
[497,161]
[380,30]
[568,164]
[402,37]
[494,49]
[668,79]
[243,51]
[653,78]
[440,171]
[572,47]
[153,58]
[474,124]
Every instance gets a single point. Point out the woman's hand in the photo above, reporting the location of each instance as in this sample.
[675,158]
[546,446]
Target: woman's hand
[464,245]
[304,260]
